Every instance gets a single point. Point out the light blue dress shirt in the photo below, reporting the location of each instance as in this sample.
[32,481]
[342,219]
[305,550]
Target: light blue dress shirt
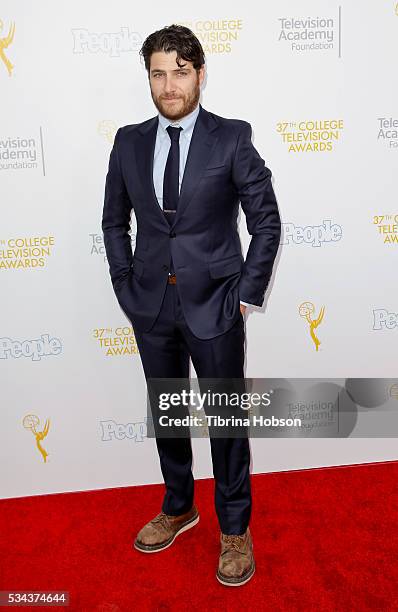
[162,146]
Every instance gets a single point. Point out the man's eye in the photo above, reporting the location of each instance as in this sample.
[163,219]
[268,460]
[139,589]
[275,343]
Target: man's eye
[182,73]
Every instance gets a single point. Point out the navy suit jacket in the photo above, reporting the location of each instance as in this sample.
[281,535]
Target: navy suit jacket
[222,169]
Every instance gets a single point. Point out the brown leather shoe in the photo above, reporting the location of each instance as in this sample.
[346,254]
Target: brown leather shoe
[236,565]
[161,531]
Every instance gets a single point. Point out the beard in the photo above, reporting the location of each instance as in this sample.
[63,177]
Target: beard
[183,105]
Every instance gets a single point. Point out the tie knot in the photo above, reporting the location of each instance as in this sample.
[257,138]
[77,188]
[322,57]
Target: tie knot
[174,133]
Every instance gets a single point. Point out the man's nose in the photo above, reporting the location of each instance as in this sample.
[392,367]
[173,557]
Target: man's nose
[169,84]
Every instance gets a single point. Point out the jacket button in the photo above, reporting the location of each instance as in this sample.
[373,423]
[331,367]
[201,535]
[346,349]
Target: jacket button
[165,267]
[172,234]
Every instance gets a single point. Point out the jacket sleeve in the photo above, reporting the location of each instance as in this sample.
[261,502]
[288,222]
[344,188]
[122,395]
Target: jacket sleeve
[116,219]
[252,180]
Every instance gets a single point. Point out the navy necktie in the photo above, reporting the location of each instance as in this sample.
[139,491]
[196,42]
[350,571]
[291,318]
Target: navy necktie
[171,175]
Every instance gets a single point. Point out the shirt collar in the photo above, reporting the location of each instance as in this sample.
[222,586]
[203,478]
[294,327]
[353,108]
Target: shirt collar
[186,122]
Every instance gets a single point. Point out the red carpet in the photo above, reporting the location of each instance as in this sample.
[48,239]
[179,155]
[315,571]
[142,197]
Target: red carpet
[323,539]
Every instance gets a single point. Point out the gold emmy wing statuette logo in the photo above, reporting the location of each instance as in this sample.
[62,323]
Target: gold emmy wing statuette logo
[32,422]
[107,128]
[306,311]
[4,43]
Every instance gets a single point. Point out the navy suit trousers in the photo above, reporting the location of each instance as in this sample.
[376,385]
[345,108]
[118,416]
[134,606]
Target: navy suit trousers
[165,351]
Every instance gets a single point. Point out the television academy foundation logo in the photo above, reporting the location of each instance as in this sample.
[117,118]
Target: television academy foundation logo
[107,128]
[311,33]
[22,152]
[388,131]
[97,247]
[315,416]
[96,240]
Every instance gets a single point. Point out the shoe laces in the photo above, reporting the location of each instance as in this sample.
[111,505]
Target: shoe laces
[234,541]
[162,519]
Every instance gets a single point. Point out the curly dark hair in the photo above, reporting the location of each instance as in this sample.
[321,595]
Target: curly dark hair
[174,38]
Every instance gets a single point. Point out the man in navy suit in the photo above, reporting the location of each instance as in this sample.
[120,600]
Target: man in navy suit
[186,286]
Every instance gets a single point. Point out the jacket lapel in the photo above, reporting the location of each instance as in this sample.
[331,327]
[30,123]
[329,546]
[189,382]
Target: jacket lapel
[144,154]
[203,140]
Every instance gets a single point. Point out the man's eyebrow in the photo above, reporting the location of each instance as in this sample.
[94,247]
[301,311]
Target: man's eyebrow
[175,70]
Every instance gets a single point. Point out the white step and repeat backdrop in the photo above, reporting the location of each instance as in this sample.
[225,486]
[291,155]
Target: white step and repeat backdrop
[317,81]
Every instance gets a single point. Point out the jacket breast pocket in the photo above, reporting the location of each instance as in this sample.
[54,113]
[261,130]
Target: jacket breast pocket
[225,267]
[219,169]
